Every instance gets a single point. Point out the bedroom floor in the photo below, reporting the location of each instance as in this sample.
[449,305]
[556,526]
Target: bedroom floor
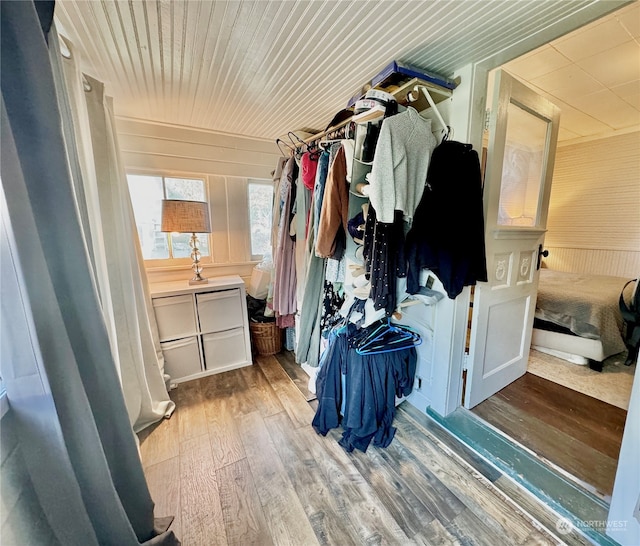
[576,432]
[612,385]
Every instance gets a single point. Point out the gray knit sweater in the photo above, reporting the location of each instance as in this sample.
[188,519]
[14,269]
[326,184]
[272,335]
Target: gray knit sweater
[399,170]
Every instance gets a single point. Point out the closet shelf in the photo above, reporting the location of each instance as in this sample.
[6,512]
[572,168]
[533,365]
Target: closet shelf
[401,91]
[369,115]
[407,94]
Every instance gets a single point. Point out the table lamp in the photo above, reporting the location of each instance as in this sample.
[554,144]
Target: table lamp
[183,216]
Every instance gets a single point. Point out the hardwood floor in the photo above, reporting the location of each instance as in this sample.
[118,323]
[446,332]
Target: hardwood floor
[296,373]
[239,463]
[578,433]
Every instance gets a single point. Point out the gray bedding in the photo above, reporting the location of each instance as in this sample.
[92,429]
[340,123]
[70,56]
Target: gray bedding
[585,304]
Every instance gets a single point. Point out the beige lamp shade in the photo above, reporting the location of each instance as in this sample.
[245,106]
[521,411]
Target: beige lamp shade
[182,216]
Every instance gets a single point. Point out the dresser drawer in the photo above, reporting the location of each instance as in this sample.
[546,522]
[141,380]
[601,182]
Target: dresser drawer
[218,311]
[182,357]
[224,348]
[175,316]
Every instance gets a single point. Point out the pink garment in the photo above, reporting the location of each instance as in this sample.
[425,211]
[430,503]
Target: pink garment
[284,285]
[308,168]
[286,321]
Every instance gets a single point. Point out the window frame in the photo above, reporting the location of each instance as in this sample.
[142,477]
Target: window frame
[257,182]
[175,263]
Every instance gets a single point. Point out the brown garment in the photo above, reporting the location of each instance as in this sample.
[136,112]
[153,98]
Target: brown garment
[335,207]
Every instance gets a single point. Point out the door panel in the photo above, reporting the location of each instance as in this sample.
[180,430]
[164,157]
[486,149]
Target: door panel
[521,152]
[508,338]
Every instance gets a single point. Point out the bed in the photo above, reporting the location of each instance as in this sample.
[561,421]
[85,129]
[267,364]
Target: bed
[578,318]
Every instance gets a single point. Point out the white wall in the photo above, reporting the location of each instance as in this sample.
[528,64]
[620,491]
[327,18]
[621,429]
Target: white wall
[624,514]
[164,147]
[225,162]
[594,213]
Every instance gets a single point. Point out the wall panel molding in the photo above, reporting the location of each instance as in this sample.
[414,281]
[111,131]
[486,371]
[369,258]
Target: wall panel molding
[598,262]
[226,162]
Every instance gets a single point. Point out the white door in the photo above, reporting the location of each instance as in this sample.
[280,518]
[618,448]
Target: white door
[520,156]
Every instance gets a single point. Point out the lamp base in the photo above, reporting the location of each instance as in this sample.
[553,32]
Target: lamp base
[201,280]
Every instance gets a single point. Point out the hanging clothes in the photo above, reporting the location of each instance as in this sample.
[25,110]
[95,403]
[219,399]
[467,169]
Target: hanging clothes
[284,287]
[371,384]
[318,188]
[308,168]
[331,305]
[308,349]
[277,201]
[447,234]
[400,164]
[301,216]
[276,211]
[336,268]
[331,238]
[384,258]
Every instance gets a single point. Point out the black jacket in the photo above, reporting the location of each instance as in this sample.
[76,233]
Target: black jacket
[447,234]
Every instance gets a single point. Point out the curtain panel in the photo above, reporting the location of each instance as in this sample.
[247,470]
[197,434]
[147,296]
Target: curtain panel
[108,225]
[62,382]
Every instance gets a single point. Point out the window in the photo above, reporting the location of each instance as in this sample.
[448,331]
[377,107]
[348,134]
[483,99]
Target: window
[260,196]
[147,193]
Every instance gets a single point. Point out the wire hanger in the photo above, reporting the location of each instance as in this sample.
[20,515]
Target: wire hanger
[299,142]
[278,141]
[386,337]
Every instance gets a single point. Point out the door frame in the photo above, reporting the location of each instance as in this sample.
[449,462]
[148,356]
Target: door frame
[447,378]
[447,381]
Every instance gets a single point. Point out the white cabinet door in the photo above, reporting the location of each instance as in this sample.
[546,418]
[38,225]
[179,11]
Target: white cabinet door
[182,357]
[218,311]
[222,349]
[175,316]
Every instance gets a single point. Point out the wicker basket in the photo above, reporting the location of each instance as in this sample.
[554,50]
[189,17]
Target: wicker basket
[266,337]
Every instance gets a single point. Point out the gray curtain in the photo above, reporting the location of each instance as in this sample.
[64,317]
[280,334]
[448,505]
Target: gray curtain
[57,359]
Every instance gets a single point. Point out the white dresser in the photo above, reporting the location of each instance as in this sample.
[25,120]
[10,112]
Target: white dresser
[204,328]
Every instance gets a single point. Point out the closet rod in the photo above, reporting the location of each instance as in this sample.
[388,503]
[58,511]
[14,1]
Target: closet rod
[321,134]
[333,129]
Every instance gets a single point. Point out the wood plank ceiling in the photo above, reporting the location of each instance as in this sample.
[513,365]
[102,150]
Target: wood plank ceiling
[263,67]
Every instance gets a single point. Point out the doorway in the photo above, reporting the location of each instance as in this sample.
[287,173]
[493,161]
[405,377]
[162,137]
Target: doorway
[577,434]
[546,410]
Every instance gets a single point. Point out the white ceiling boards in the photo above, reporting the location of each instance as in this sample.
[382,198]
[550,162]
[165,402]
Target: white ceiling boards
[593,74]
[263,67]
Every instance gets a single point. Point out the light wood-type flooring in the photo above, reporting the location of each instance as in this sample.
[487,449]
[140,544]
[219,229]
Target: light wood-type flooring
[239,463]
[578,433]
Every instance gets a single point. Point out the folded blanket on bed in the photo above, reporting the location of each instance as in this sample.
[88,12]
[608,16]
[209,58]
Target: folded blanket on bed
[585,304]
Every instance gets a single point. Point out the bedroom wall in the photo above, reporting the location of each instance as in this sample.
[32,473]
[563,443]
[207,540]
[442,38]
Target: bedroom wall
[225,161]
[594,215]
